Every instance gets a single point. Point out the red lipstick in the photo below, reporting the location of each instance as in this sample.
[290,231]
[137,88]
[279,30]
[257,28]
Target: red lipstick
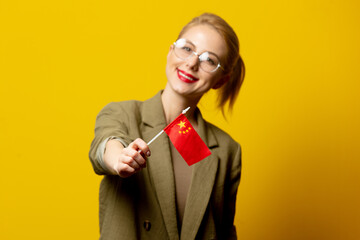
[186,77]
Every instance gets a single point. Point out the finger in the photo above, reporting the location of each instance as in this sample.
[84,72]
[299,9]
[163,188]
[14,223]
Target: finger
[137,157]
[125,170]
[129,160]
[139,144]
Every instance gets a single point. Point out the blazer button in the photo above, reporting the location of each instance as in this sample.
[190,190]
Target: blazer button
[147,225]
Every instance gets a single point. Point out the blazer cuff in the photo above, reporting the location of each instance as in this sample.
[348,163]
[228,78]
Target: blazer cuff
[102,148]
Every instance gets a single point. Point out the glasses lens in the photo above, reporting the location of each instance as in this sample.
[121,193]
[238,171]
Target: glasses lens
[183,49]
[209,62]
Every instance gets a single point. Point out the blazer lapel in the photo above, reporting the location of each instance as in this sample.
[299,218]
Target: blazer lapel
[202,182]
[160,164]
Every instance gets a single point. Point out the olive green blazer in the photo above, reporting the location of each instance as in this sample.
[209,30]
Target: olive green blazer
[143,206]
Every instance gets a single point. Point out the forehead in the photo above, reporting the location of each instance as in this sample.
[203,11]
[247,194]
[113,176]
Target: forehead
[206,38]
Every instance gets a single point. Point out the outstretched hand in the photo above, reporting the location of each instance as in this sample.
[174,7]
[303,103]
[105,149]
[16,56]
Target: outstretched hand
[126,161]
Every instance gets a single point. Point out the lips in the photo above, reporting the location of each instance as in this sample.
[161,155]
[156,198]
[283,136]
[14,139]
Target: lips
[186,77]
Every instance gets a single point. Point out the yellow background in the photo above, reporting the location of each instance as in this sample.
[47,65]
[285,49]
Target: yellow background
[297,117]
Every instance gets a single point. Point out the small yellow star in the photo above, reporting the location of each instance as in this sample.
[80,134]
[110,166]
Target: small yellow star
[182,124]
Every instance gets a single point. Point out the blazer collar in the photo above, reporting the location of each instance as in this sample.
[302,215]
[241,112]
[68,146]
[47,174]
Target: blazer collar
[152,111]
[205,132]
[202,182]
[161,171]
[159,164]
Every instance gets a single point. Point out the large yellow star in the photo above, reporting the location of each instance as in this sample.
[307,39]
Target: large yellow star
[181,124]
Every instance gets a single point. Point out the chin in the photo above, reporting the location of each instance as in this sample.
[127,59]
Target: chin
[183,91]
[187,93]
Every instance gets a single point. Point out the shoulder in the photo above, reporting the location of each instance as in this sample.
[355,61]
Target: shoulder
[133,107]
[122,110]
[227,149]
[222,137]
[123,106]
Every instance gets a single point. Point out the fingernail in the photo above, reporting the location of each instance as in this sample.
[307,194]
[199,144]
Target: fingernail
[148,153]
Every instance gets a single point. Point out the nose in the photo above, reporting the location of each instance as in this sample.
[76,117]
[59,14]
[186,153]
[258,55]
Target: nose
[193,61]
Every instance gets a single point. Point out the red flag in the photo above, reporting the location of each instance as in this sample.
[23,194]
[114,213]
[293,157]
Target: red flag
[186,140]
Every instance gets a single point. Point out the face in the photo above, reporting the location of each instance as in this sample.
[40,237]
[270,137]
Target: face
[185,77]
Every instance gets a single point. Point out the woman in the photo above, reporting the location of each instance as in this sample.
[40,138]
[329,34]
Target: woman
[150,192]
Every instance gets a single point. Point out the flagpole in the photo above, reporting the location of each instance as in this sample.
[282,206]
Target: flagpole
[157,135]
[185,110]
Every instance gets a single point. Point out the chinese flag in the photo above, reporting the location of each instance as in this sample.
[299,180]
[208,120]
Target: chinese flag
[186,140]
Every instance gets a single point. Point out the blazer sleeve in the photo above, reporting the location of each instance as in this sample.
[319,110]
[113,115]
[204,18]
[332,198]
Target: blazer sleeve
[229,208]
[110,122]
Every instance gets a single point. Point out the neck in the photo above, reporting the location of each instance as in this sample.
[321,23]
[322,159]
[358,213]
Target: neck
[174,104]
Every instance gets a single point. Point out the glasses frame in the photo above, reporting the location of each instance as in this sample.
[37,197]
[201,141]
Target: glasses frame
[198,56]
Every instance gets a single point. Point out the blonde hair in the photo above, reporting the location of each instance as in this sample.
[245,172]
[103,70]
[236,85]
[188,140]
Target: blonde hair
[234,65]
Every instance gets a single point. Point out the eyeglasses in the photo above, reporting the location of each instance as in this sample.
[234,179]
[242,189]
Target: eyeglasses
[184,49]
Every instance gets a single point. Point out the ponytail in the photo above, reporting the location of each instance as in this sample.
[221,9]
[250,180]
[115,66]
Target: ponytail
[230,90]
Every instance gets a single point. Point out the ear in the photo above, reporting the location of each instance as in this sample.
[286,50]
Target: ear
[224,79]
[170,49]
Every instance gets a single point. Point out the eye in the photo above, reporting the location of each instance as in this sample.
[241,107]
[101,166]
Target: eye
[208,58]
[186,48]
[210,61]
